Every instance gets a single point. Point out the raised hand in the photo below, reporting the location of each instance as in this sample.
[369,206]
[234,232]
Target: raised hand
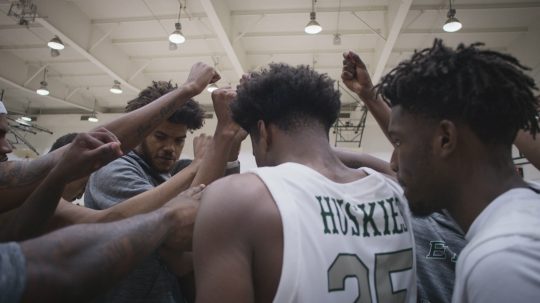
[200,76]
[200,145]
[183,210]
[222,99]
[356,77]
[87,153]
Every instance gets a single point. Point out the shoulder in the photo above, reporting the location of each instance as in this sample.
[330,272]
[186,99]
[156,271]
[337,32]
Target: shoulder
[516,270]
[237,201]
[236,191]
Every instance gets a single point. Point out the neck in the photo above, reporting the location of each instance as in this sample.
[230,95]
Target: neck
[310,148]
[483,179]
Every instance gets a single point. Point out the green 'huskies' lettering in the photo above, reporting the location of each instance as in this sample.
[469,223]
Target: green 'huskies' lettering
[365,219]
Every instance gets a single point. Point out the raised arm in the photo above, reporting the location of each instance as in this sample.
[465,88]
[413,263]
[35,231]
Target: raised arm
[82,261]
[356,77]
[88,152]
[68,214]
[225,137]
[19,178]
[357,160]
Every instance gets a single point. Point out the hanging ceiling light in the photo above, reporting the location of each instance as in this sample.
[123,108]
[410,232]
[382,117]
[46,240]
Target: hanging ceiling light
[313,27]
[43,89]
[177,37]
[93,118]
[452,24]
[56,43]
[116,88]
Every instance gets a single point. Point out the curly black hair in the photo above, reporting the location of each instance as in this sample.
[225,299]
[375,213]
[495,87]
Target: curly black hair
[287,96]
[484,89]
[191,114]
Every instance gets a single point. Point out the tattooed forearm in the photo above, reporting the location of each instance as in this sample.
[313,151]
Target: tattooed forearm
[23,173]
[164,113]
[82,261]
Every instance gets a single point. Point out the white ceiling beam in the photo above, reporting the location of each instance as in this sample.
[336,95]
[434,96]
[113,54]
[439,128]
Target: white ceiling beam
[178,56]
[481,6]
[158,39]
[222,27]
[397,23]
[7,27]
[140,69]
[301,33]
[307,9]
[78,32]
[34,75]
[56,61]
[22,47]
[382,8]
[77,75]
[103,37]
[145,18]
[50,97]
[305,51]
[469,30]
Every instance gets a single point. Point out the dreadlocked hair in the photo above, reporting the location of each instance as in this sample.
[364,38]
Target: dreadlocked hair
[191,114]
[290,97]
[484,89]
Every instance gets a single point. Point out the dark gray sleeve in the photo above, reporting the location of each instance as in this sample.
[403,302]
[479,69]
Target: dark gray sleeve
[12,272]
[234,169]
[115,183]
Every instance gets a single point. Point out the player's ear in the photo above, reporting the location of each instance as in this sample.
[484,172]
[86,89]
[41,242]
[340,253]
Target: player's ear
[446,138]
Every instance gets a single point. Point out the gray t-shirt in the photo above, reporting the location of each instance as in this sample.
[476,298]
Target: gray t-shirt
[438,242]
[114,183]
[12,272]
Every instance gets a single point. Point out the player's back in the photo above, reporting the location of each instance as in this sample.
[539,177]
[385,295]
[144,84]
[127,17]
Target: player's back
[342,242]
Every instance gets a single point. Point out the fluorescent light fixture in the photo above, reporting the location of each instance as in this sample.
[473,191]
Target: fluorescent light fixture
[43,90]
[177,37]
[56,43]
[116,88]
[212,87]
[91,118]
[313,27]
[452,24]
[26,118]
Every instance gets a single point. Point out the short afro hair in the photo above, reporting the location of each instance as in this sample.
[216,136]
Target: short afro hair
[288,97]
[484,89]
[191,114]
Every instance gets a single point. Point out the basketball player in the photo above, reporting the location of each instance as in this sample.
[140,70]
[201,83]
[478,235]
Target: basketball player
[455,114]
[303,227]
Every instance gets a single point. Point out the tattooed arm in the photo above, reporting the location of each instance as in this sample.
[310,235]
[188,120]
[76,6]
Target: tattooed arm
[88,152]
[82,261]
[19,178]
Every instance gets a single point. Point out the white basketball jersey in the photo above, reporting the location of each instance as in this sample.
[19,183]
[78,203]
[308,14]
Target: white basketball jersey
[349,242]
